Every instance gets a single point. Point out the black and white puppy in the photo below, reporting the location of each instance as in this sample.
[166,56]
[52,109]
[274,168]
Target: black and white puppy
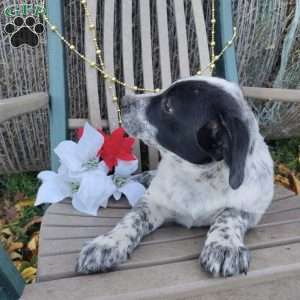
[215,171]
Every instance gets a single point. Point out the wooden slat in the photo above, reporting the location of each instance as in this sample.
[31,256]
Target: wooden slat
[57,81]
[281,216]
[60,266]
[69,221]
[284,205]
[162,249]
[183,280]
[282,193]
[16,106]
[163,233]
[66,208]
[78,123]
[11,282]
[201,35]
[147,64]
[169,236]
[91,73]
[285,95]
[184,65]
[225,27]
[164,48]
[66,235]
[128,65]
[108,38]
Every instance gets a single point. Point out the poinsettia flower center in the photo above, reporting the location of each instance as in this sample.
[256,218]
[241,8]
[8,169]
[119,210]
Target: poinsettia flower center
[74,187]
[119,181]
[91,164]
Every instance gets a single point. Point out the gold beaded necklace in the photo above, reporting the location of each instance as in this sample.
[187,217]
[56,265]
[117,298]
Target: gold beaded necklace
[107,76]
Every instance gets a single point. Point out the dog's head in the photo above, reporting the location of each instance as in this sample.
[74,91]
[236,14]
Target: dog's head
[199,119]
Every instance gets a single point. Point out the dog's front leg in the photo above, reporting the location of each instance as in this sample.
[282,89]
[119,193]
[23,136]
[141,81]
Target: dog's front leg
[109,250]
[224,252]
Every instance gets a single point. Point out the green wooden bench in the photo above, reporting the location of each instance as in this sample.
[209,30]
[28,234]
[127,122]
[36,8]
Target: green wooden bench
[11,283]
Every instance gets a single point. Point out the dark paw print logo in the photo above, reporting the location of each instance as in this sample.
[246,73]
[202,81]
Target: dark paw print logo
[24,31]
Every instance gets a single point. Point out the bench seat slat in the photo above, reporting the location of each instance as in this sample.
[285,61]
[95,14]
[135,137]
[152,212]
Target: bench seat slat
[158,282]
[168,237]
[148,253]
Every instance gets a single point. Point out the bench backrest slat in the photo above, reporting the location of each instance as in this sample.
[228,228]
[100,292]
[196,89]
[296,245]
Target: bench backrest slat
[127,50]
[108,38]
[164,47]
[91,73]
[184,65]
[201,35]
[147,60]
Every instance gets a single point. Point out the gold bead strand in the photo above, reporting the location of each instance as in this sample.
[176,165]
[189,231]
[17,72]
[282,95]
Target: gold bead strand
[99,52]
[114,80]
[92,28]
[213,35]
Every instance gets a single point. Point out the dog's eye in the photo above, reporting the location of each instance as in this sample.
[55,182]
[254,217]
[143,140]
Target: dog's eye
[167,106]
[196,91]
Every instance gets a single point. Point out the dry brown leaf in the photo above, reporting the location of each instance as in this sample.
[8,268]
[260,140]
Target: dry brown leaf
[29,274]
[33,243]
[35,220]
[19,196]
[15,246]
[294,183]
[6,231]
[283,181]
[15,255]
[283,170]
[18,264]
[24,203]
[10,214]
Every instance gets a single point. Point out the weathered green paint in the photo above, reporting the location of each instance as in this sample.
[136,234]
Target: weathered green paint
[225,30]
[11,283]
[57,80]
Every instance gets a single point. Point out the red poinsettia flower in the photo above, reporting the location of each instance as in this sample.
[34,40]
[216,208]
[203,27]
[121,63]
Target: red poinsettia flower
[117,146]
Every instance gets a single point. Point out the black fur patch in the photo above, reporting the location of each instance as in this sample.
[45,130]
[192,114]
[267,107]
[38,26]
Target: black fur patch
[201,123]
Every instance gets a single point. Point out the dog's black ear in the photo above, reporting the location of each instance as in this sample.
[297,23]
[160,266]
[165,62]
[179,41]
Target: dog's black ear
[235,148]
[212,137]
[227,138]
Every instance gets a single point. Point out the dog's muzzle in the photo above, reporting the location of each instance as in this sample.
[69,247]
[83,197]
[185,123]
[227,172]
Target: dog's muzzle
[128,102]
[130,112]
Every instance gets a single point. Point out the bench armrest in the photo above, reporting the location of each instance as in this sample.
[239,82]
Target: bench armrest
[13,107]
[284,95]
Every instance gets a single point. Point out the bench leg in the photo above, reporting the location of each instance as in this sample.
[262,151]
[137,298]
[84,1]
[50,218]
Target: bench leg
[109,250]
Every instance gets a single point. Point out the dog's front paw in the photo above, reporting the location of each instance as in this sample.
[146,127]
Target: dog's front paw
[102,254]
[224,259]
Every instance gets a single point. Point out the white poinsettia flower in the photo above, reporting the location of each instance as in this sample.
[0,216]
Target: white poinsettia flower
[88,194]
[94,191]
[124,185]
[81,156]
[55,188]
[84,179]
